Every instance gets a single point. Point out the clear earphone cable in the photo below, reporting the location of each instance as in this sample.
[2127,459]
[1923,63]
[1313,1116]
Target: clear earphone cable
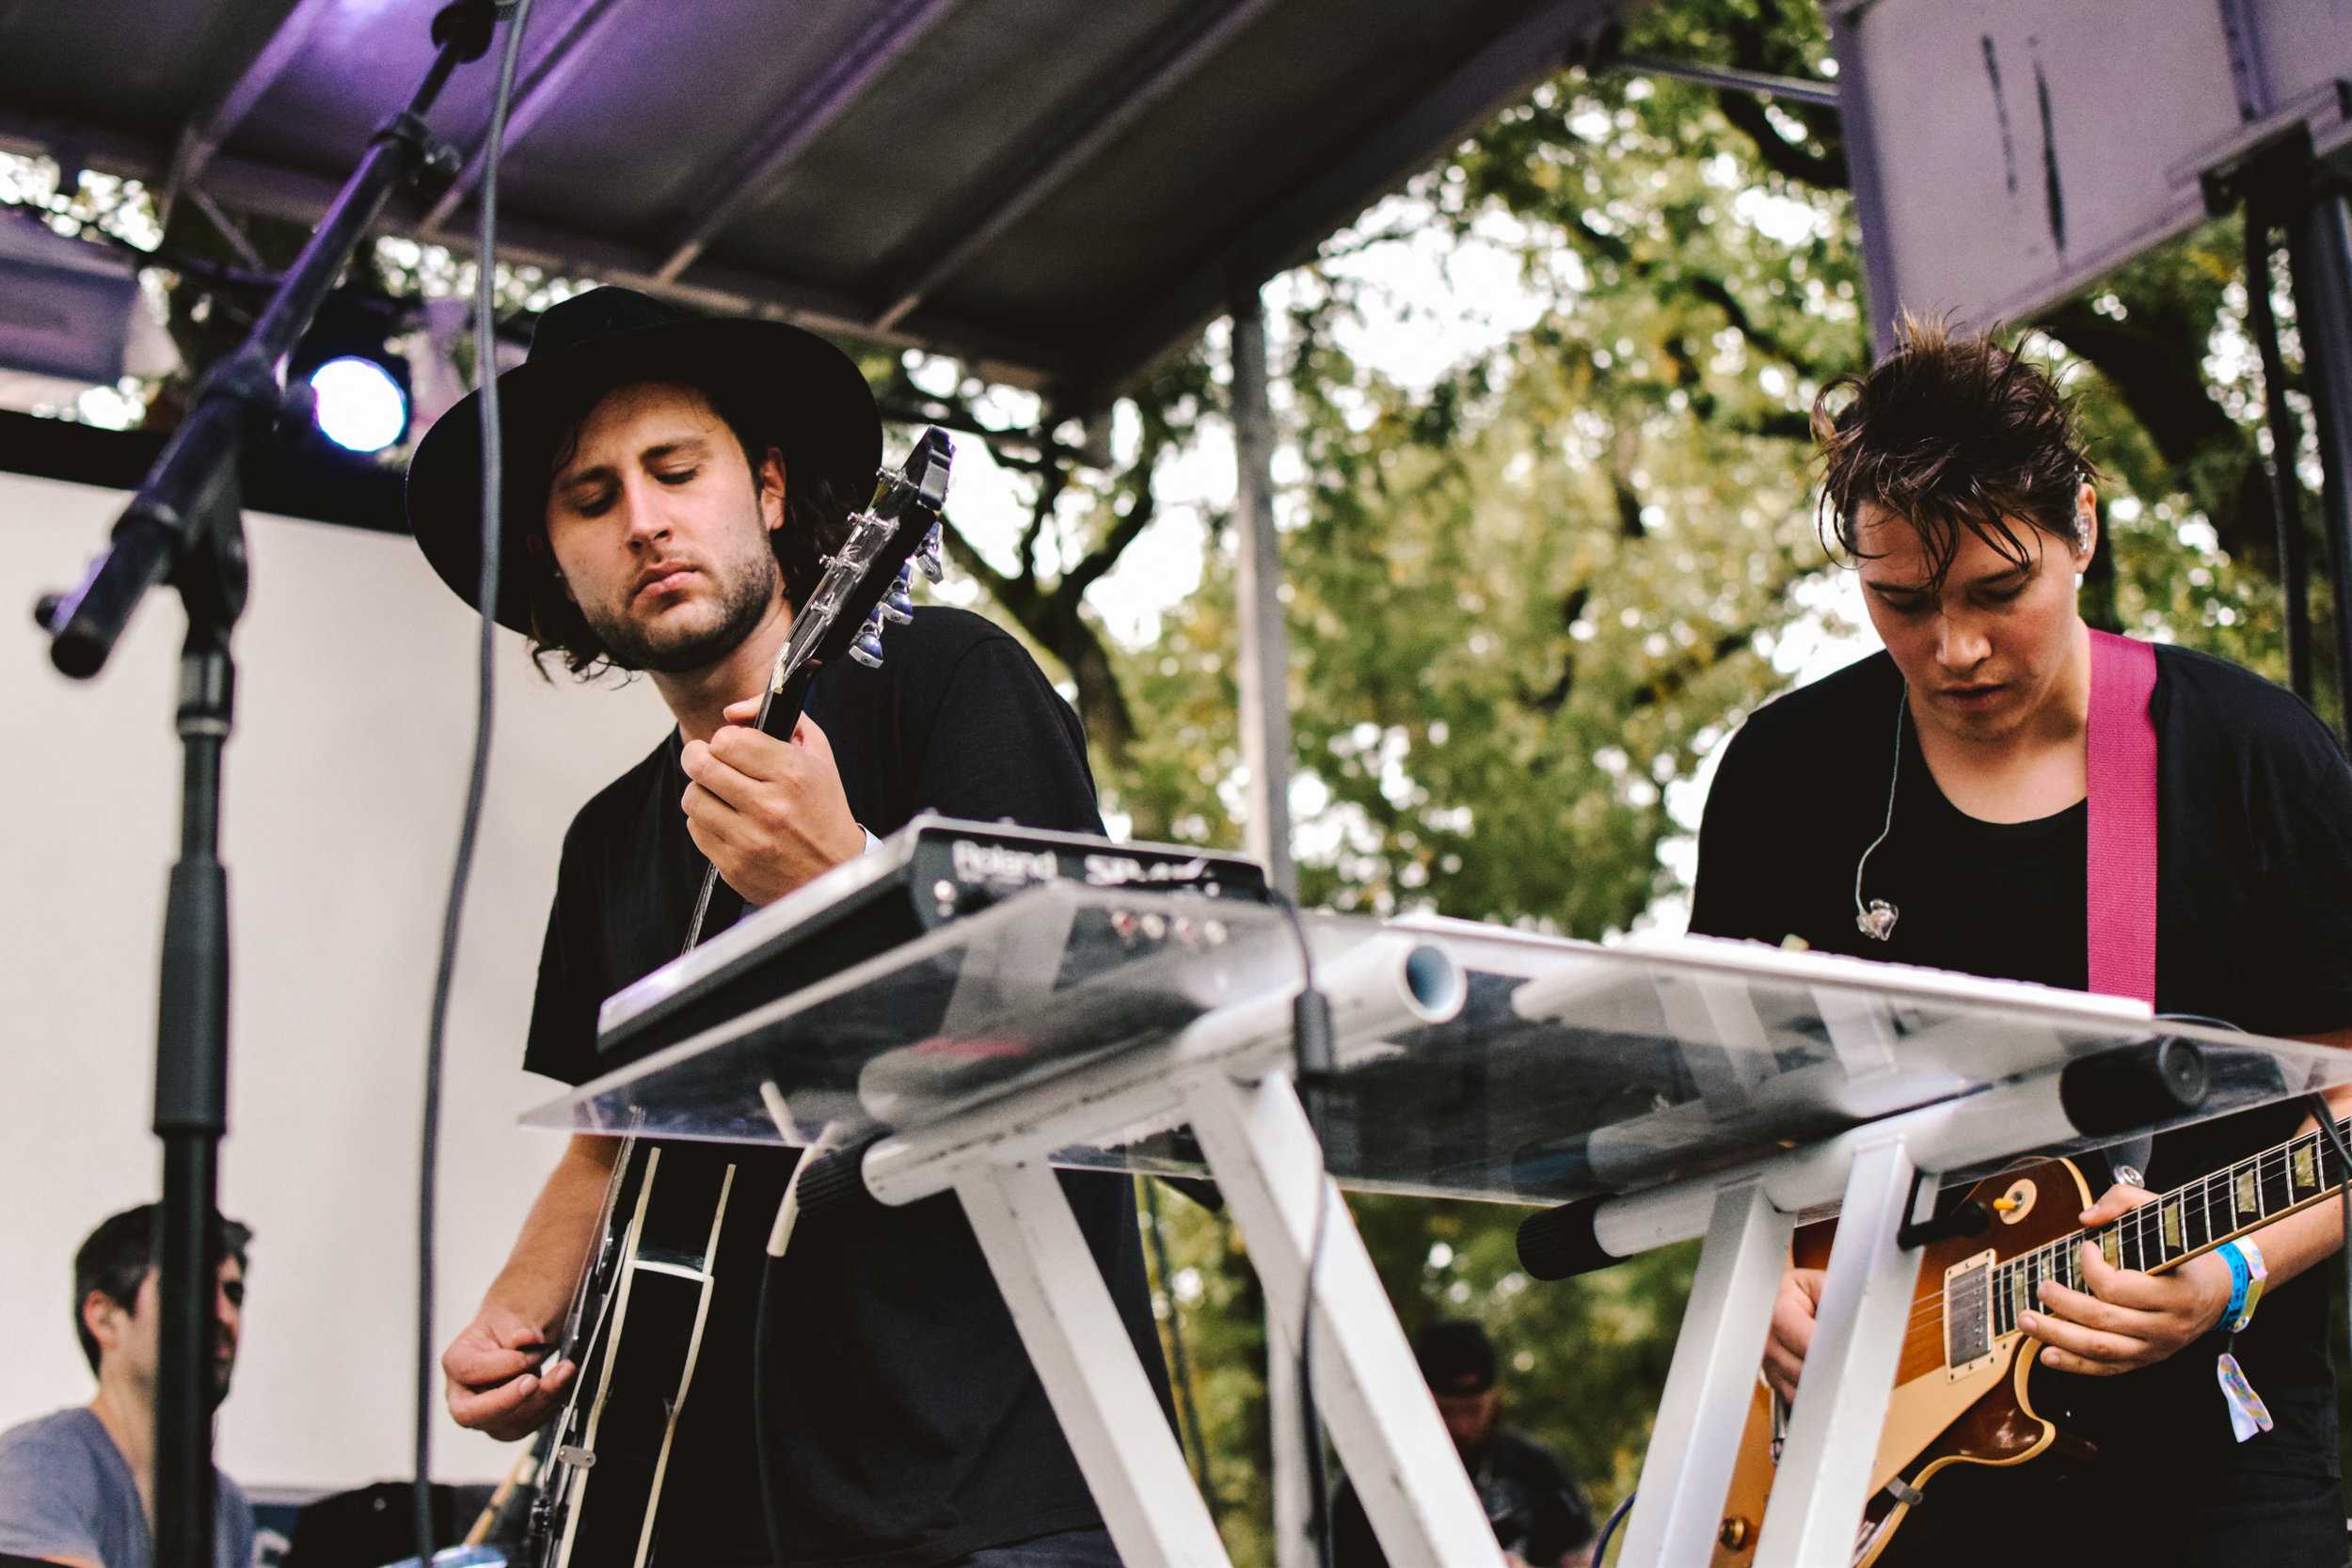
[1894,774]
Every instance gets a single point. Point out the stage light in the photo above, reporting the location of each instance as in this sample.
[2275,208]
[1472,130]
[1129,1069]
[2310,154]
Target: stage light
[361,406]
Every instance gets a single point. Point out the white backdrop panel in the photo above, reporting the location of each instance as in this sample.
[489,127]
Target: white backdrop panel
[344,786]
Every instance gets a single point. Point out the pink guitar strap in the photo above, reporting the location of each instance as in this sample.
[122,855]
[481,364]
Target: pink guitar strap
[2120,870]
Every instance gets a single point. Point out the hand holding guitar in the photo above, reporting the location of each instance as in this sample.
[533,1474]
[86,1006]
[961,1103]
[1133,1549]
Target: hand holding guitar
[2127,1320]
[769,814]
[503,1378]
[1793,1311]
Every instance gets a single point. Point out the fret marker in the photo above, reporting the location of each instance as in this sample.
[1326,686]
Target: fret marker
[2246,1201]
[2111,1248]
[2172,1226]
[2307,1167]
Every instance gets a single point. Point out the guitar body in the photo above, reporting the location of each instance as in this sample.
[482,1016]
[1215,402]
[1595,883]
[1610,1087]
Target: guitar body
[1977,1412]
[638,1334]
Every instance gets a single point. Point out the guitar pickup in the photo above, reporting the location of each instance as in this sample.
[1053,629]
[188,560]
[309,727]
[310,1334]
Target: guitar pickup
[1968,1315]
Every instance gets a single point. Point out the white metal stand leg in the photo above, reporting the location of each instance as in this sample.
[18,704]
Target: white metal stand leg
[1841,1403]
[1089,1365]
[1267,1162]
[1695,1442]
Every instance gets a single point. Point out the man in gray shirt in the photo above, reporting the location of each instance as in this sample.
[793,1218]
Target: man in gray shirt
[78,1487]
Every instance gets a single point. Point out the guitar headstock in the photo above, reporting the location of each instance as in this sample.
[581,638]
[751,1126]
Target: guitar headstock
[868,583]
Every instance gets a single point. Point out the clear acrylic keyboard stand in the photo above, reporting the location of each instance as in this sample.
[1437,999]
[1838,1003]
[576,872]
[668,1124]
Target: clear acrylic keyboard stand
[1708,1088]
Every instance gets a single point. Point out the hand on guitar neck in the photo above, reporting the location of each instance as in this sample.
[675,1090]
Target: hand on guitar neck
[769,814]
[2126,1319]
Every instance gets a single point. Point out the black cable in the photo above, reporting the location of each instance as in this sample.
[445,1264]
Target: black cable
[486,344]
[1311,1048]
[1616,1518]
[1180,1369]
[2206,1018]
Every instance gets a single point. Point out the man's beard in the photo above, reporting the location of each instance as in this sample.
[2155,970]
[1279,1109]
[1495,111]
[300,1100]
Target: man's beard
[746,590]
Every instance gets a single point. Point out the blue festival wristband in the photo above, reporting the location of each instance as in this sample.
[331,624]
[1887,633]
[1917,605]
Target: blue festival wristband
[2241,1276]
[2257,1272]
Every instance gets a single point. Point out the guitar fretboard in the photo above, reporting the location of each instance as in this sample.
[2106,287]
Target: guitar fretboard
[2190,1219]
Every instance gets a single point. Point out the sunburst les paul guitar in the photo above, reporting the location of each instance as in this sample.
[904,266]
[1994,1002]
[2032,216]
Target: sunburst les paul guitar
[1961,1389]
[636,1322]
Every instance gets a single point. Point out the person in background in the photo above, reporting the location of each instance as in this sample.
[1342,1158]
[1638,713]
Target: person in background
[1540,1516]
[78,1486]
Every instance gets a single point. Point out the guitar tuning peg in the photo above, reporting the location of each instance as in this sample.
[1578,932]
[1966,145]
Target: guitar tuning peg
[868,649]
[898,605]
[927,558]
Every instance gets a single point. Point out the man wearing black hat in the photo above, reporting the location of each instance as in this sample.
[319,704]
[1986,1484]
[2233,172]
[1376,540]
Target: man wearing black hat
[1539,1517]
[671,484]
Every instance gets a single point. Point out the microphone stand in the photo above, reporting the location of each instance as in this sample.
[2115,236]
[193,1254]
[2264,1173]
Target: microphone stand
[185,527]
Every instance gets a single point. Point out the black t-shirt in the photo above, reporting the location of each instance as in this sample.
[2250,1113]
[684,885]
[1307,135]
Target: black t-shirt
[1531,1499]
[2254,927]
[909,1425]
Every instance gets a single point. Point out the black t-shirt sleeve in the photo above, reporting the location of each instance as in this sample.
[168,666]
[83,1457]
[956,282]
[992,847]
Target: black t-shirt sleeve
[1001,743]
[2298,806]
[1728,899]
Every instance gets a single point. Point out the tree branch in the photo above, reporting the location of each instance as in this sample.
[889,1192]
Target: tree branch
[1718,294]
[1016,595]
[1051,481]
[1826,170]
[1139,517]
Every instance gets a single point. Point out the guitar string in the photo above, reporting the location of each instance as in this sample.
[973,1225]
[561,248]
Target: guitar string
[2281,1157]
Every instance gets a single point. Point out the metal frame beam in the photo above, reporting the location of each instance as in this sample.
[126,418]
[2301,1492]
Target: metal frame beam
[1291,230]
[203,135]
[1264,675]
[1076,135]
[556,69]
[1797,90]
[799,123]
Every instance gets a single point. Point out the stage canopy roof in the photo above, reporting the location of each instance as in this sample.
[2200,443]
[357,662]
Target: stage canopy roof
[1058,190]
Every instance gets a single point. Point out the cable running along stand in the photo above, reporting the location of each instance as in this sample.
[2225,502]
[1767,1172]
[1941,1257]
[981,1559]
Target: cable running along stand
[185,527]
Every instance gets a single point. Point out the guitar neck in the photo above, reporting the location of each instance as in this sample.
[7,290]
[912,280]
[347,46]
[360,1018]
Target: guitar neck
[2187,1221]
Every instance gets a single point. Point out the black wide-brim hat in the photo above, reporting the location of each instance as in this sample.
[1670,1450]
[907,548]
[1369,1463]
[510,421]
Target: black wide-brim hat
[799,393]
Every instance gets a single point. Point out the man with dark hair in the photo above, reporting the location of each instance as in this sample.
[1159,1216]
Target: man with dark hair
[1539,1517]
[78,1487]
[1929,805]
[659,517]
